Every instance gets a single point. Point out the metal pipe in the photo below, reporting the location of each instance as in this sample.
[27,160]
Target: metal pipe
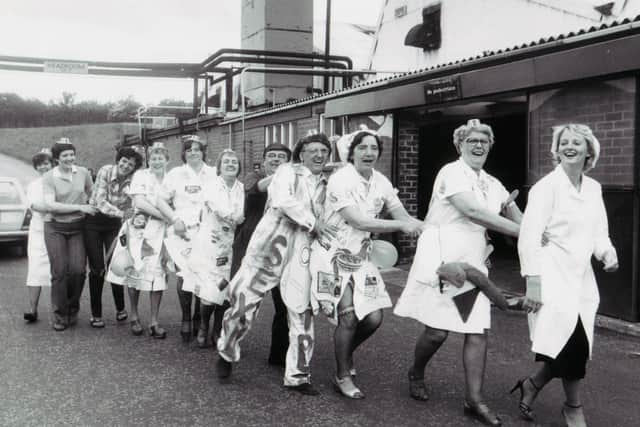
[327,44]
[285,54]
[319,62]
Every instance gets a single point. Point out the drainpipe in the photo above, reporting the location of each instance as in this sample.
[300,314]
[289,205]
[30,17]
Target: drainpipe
[327,44]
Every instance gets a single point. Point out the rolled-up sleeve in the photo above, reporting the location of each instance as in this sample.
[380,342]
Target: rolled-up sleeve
[534,221]
[282,192]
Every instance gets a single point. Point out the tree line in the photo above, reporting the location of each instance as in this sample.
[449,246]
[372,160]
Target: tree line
[16,112]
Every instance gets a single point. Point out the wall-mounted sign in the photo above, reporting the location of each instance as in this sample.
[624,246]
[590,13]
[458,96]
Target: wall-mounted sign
[440,90]
[66,67]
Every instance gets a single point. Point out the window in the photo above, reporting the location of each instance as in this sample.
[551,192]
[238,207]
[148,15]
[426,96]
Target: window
[428,34]
[401,11]
[283,133]
[333,128]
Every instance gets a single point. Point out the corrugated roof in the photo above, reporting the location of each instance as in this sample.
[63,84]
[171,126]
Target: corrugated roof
[586,34]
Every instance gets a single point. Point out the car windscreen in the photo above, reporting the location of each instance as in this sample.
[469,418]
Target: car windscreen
[9,193]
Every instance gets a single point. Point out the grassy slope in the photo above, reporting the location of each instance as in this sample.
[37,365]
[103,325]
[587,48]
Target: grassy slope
[94,143]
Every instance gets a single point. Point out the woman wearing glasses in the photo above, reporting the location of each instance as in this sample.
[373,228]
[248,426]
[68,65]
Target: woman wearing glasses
[562,294]
[466,201]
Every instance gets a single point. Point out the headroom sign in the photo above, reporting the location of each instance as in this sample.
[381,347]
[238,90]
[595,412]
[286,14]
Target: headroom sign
[66,67]
[441,90]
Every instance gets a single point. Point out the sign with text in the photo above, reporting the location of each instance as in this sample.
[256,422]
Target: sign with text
[66,67]
[440,90]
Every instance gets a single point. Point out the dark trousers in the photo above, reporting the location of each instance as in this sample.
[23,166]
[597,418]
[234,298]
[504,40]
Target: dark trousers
[67,256]
[279,329]
[100,233]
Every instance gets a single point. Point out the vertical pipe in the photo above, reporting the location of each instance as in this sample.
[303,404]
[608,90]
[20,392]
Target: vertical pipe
[206,96]
[228,92]
[195,96]
[327,44]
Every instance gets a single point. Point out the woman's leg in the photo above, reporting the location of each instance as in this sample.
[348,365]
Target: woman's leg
[345,332]
[474,356]
[154,298]
[34,297]
[184,298]
[206,310]
[94,245]
[535,383]
[427,345]
[572,409]
[134,297]
[218,315]
[279,330]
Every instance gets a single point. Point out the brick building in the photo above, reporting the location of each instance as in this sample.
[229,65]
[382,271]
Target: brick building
[589,77]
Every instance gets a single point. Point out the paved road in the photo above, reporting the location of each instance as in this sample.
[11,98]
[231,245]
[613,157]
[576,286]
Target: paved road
[10,166]
[89,377]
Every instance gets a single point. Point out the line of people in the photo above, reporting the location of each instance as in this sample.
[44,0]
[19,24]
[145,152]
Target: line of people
[303,232]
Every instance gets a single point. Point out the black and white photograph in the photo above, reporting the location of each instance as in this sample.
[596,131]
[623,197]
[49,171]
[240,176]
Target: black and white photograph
[320,213]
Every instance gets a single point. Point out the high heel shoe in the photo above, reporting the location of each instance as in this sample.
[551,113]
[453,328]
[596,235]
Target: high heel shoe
[185,330]
[481,412]
[417,388]
[525,410]
[346,387]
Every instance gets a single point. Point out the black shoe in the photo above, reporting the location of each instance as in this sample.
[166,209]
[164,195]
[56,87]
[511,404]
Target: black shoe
[122,315]
[31,317]
[157,332]
[305,388]
[223,368]
[136,328]
[185,330]
[59,326]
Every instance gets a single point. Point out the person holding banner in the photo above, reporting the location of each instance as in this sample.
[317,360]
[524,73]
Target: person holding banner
[256,184]
[278,255]
[184,190]
[345,283]
[139,256]
[207,271]
[562,295]
[466,201]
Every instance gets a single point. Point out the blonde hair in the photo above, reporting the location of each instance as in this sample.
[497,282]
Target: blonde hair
[593,145]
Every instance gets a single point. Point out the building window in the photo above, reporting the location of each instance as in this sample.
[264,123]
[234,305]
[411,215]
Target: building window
[428,34]
[283,133]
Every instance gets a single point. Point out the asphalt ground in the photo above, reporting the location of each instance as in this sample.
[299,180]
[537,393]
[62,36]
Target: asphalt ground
[107,377]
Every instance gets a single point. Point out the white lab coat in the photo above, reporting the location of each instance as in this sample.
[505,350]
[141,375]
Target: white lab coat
[575,223]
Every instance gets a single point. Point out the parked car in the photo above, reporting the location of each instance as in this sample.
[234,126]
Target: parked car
[14,213]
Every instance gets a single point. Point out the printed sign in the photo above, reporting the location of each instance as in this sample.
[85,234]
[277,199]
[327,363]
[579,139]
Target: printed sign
[440,90]
[66,67]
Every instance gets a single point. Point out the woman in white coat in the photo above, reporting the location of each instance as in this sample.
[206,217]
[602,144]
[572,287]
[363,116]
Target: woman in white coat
[38,268]
[466,201]
[562,295]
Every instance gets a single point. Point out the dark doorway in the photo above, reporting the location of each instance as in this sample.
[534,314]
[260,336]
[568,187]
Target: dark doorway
[507,160]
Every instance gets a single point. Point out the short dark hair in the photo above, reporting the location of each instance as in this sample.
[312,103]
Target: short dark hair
[129,153]
[357,139]
[277,147]
[59,147]
[40,158]
[187,143]
[316,137]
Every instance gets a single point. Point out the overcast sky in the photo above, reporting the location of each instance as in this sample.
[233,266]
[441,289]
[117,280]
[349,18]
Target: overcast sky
[131,31]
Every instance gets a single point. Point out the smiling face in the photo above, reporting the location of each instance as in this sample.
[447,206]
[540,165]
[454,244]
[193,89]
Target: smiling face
[126,166]
[365,155]
[194,155]
[157,162]
[475,149]
[314,156]
[273,159]
[573,149]
[67,159]
[44,167]
[229,165]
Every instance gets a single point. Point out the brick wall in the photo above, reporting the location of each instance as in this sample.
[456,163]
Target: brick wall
[607,107]
[407,182]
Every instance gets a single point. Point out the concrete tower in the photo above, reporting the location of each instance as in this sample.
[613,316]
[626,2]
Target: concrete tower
[285,25]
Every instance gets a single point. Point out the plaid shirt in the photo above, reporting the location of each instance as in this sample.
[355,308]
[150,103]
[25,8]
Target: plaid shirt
[111,194]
